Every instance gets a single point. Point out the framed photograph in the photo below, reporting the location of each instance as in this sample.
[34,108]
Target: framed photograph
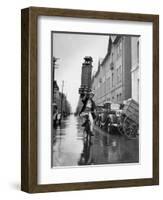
[90,99]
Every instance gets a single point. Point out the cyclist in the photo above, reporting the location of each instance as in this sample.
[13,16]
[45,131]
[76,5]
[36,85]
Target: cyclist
[89,109]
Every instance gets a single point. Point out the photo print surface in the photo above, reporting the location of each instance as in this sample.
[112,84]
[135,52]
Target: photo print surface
[95,98]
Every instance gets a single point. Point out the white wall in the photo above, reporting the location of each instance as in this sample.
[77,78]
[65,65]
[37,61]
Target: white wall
[135,68]
[10,98]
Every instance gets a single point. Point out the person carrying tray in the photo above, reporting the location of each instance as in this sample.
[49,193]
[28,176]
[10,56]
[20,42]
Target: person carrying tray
[88,109]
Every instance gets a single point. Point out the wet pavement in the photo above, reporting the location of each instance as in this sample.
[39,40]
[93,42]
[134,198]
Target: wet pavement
[71,148]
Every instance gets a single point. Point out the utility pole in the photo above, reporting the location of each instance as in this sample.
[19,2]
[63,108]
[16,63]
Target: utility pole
[62,99]
[54,66]
[53,71]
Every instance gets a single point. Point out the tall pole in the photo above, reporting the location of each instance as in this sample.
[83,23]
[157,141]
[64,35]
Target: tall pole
[54,66]
[62,99]
[53,72]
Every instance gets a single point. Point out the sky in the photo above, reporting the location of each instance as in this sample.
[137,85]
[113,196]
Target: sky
[71,49]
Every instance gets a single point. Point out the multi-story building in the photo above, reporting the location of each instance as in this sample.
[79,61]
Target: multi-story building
[60,100]
[135,46]
[112,81]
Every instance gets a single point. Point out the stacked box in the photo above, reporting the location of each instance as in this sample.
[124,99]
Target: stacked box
[131,110]
[86,75]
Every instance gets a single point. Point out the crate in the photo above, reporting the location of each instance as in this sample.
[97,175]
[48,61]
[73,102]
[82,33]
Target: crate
[131,110]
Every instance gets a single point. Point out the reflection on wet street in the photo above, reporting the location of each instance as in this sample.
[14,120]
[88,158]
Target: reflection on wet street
[70,147]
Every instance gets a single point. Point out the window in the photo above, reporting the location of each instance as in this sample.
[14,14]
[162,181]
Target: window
[138,90]
[120,47]
[112,79]
[117,51]
[138,51]
[109,83]
[117,75]
[112,57]
[120,73]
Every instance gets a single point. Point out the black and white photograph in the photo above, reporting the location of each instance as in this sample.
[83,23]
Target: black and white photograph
[89,99]
[95,96]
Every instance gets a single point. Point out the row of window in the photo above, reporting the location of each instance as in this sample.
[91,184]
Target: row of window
[110,81]
[118,78]
[116,54]
[118,98]
[115,99]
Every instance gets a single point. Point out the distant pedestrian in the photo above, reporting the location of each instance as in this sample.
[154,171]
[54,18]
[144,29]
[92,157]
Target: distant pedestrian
[55,113]
[59,118]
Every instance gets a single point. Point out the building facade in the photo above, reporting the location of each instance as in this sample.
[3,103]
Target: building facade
[60,100]
[112,81]
[135,65]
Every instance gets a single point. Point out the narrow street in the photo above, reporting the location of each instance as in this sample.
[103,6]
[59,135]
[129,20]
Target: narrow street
[70,148]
